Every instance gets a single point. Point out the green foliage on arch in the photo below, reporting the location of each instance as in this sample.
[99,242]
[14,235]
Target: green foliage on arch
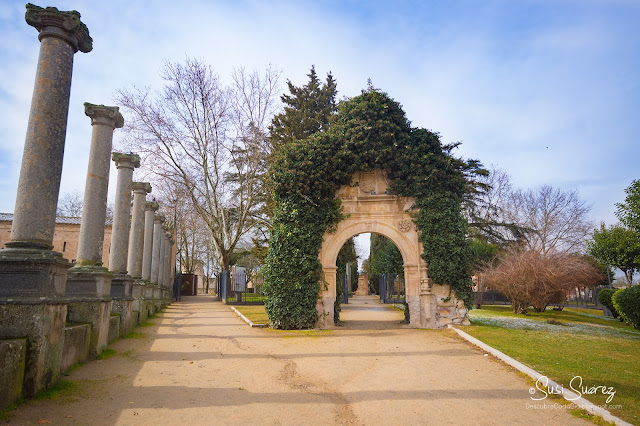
[369,132]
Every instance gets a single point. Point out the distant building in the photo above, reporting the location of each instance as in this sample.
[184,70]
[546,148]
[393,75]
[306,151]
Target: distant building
[65,236]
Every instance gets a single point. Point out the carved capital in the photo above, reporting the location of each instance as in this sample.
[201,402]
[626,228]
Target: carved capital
[151,205]
[100,114]
[51,22]
[126,160]
[141,186]
[425,285]
[158,218]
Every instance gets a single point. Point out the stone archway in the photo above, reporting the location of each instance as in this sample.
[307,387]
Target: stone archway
[368,208]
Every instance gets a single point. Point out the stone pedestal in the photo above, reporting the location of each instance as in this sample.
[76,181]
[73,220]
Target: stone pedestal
[88,290]
[122,302]
[138,306]
[363,285]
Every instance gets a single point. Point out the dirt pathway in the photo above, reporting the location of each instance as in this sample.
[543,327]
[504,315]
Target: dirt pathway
[201,364]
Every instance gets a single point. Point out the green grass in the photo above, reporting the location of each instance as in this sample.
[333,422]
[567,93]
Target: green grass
[134,335]
[107,353]
[255,313]
[603,352]
[62,388]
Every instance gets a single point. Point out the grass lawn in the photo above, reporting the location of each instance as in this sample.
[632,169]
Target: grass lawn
[576,342]
[255,313]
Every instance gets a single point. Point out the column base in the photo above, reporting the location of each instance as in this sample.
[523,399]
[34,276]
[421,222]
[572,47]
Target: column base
[324,306]
[32,273]
[95,312]
[124,308]
[42,322]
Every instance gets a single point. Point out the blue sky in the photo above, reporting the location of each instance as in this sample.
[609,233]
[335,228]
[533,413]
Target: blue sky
[546,90]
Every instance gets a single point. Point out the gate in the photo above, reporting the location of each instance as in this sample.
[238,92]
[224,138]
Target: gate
[232,288]
[391,288]
[345,287]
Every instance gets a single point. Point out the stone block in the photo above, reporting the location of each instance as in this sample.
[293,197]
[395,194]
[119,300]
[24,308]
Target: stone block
[114,327]
[77,340]
[124,308]
[36,274]
[446,311]
[13,354]
[121,286]
[88,282]
[42,323]
[442,322]
[97,314]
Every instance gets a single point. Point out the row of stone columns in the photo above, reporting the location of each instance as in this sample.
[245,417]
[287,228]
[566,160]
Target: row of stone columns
[39,290]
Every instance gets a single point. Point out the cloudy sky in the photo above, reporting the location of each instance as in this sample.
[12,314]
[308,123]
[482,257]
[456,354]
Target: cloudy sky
[546,90]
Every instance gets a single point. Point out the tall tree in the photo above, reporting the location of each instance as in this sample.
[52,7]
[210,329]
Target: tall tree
[628,212]
[618,246]
[209,139]
[70,204]
[308,110]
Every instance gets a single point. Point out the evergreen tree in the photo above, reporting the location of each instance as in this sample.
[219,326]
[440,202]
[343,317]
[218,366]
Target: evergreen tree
[308,110]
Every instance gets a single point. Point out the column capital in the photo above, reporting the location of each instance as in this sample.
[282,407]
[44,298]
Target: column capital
[51,22]
[121,159]
[158,218]
[143,187]
[107,115]
[152,205]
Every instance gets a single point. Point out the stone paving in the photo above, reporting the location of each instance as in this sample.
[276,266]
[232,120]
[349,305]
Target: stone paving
[201,364]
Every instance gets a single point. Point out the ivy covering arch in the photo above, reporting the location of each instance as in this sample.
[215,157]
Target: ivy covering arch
[369,132]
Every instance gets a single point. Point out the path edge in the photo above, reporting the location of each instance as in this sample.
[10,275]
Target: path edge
[566,394]
[247,319]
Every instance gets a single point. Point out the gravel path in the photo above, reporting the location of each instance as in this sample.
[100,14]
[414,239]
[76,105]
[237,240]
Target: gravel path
[201,364]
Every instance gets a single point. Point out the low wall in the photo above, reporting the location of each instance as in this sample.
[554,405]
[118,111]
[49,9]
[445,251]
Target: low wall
[77,339]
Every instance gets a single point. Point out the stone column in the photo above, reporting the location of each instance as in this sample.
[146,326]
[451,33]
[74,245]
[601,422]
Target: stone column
[88,283]
[166,282]
[149,213]
[125,163]
[136,235]
[121,284]
[61,36]
[94,209]
[161,255]
[32,276]
[155,254]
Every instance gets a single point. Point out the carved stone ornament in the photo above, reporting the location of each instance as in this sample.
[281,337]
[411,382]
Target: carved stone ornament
[404,225]
[425,284]
[111,112]
[367,182]
[65,25]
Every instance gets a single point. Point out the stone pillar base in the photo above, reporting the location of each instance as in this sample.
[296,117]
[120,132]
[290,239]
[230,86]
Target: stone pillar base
[324,306]
[121,286]
[416,314]
[32,284]
[95,312]
[137,293]
[124,308]
[43,325]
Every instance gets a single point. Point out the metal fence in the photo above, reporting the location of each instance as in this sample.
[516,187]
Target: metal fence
[232,288]
[576,297]
[391,287]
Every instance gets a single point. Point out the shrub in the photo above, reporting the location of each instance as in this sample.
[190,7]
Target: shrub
[531,278]
[604,297]
[627,303]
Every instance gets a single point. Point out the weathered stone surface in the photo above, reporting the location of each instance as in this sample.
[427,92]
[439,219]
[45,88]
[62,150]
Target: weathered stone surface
[77,339]
[104,120]
[43,325]
[121,287]
[124,309]
[13,354]
[114,327]
[32,273]
[97,314]
[136,234]
[89,282]
[155,252]
[125,163]
[61,34]
[149,213]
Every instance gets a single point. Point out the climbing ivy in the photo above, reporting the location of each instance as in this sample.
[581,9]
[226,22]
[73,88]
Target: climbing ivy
[369,132]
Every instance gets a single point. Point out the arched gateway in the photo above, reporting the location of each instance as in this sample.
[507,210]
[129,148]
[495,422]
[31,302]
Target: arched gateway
[370,209]
[370,172]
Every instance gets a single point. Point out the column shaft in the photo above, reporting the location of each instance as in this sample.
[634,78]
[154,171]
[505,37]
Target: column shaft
[136,235]
[155,256]
[125,164]
[149,213]
[94,209]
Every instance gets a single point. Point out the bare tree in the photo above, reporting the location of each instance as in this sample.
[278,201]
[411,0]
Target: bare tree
[70,204]
[557,219]
[208,139]
[532,278]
